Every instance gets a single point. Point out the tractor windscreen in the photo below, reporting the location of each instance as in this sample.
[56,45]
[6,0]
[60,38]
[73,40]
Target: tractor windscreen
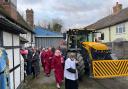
[101,55]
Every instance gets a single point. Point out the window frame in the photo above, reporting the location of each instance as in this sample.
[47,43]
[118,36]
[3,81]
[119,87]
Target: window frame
[120,29]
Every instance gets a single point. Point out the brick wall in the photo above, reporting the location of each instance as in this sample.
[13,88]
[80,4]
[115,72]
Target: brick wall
[10,9]
[117,8]
[29,17]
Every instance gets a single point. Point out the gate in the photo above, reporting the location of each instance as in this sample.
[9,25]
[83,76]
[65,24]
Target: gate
[109,68]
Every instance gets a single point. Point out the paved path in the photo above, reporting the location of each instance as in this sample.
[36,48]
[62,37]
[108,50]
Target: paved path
[40,83]
[88,83]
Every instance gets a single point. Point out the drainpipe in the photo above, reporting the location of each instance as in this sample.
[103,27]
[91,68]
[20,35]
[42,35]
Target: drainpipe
[109,34]
[110,39]
[92,37]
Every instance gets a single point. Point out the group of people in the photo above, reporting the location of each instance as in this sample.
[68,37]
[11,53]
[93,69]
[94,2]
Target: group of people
[52,59]
[31,60]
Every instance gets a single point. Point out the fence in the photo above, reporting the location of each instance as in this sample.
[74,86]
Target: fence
[120,49]
[110,68]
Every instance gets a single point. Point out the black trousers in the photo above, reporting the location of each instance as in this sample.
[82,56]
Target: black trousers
[29,68]
[71,84]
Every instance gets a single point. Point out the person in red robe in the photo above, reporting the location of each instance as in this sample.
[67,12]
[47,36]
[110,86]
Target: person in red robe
[50,53]
[42,54]
[47,62]
[57,66]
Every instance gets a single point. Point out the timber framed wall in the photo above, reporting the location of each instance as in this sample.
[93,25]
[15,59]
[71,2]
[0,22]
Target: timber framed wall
[10,31]
[11,43]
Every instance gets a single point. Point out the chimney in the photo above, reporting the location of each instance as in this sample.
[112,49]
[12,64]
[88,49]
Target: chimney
[117,8]
[10,7]
[30,17]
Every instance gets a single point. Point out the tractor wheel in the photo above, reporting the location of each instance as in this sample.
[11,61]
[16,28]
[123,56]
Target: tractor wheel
[80,66]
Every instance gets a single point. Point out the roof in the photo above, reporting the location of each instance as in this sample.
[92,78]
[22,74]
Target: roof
[110,20]
[7,25]
[95,45]
[43,32]
[20,22]
[6,21]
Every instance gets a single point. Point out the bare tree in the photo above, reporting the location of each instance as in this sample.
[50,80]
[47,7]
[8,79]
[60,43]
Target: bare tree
[57,25]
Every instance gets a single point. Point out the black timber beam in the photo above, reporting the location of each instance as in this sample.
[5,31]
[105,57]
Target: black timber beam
[10,27]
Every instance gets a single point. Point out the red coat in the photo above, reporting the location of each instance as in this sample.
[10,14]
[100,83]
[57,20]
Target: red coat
[42,57]
[50,54]
[57,65]
[47,62]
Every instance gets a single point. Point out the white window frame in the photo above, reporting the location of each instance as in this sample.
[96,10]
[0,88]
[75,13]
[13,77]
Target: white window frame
[120,29]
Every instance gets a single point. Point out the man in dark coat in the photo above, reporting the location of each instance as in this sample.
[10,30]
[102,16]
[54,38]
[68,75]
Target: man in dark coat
[35,63]
[29,62]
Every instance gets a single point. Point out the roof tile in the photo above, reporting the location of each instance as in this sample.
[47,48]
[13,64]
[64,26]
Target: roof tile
[110,20]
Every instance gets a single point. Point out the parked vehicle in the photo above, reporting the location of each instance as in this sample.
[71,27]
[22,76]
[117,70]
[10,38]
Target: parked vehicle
[95,58]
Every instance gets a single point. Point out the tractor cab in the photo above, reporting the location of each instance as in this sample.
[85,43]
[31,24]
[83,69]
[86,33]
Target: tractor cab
[74,38]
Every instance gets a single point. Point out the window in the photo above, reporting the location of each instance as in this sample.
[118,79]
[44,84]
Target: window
[102,36]
[120,28]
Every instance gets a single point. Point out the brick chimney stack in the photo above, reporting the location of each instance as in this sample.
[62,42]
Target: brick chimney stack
[117,8]
[30,17]
[10,6]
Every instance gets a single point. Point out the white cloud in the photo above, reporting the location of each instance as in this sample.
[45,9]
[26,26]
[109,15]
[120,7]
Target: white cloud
[72,12]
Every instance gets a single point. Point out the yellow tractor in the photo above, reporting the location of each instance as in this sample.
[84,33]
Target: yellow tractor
[96,59]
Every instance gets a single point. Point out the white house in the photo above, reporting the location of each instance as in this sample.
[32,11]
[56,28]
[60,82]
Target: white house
[114,30]
[114,27]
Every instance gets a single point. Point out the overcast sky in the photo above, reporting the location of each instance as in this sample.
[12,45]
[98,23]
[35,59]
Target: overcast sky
[73,13]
